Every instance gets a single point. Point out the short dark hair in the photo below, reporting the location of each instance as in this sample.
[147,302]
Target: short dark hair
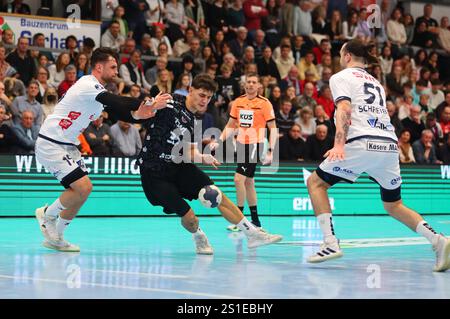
[101,55]
[71,37]
[252,74]
[436,82]
[89,42]
[285,46]
[37,35]
[359,49]
[422,82]
[204,81]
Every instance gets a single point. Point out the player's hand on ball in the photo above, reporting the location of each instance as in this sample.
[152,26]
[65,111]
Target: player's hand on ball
[335,154]
[210,160]
[161,101]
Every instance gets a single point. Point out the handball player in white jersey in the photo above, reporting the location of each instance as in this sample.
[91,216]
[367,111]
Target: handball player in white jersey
[365,141]
[56,146]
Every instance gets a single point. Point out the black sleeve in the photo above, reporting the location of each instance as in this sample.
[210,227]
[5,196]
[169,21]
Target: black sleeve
[121,106]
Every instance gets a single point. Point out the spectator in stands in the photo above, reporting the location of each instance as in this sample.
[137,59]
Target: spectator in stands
[444,35]
[292,80]
[422,37]
[408,22]
[217,17]
[254,11]
[235,16]
[183,84]
[49,102]
[216,45]
[39,41]
[17,6]
[194,13]
[156,13]
[152,73]
[71,47]
[393,114]
[430,23]
[195,50]
[319,23]
[69,79]
[21,60]
[336,31]
[126,139]
[306,121]
[325,78]
[238,45]
[302,22]
[230,60]
[436,94]
[307,64]
[298,49]
[318,144]
[28,102]
[445,120]
[82,65]
[406,153]
[163,83]
[326,100]
[98,135]
[287,15]
[187,66]
[259,44]
[394,82]
[350,26]
[292,146]
[284,117]
[6,70]
[57,70]
[425,150]
[208,58]
[363,31]
[396,31]
[88,47]
[146,45]
[443,105]
[177,19]
[7,137]
[135,91]
[8,38]
[323,119]
[285,62]
[323,49]
[5,101]
[306,99]
[386,60]
[132,72]
[182,45]
[163,50]
[26,131]
[432,125]
[267,66]
[275,97]
[112,37]
[158,38]
[444,151]
[134,14]
[414,123]
[43,80]
[107,12]
[119,14]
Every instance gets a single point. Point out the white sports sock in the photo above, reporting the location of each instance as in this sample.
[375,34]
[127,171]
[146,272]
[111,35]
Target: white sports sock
[61,225]
[199,232]
[54,209]
[424,229]
[326,225]
[246,226]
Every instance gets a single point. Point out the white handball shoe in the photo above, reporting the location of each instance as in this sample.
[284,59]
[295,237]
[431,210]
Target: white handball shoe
[47,224]
[61,245]
[327,251]
[261,238]
[202,246]
[442,249]
[233,228]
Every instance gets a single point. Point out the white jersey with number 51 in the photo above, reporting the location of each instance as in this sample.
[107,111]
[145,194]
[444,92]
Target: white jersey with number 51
[370,117]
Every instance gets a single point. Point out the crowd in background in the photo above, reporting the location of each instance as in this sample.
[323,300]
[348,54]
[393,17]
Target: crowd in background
[293,46]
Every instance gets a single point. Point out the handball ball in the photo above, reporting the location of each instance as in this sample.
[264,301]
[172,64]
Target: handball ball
[210,196]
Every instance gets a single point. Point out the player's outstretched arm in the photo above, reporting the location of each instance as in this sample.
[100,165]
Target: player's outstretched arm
[343,121]
[125,107]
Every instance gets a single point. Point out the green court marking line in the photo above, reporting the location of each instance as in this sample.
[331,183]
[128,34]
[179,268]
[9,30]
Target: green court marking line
[365,243]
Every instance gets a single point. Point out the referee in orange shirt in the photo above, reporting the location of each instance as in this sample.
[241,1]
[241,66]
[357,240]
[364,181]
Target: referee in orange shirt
[249,115]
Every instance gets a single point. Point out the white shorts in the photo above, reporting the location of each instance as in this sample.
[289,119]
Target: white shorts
[378,158]
[63,161]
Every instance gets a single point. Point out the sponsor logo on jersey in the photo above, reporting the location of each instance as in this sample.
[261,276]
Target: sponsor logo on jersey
[372,109]
[99,87]
[395,181]
[376,146]
[337,169]
[376,123]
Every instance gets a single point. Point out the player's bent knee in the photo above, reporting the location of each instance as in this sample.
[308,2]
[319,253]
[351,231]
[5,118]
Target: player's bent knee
[249,182]
[82,187]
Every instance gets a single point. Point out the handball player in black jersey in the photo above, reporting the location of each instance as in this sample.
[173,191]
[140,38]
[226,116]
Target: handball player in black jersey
[169,175]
